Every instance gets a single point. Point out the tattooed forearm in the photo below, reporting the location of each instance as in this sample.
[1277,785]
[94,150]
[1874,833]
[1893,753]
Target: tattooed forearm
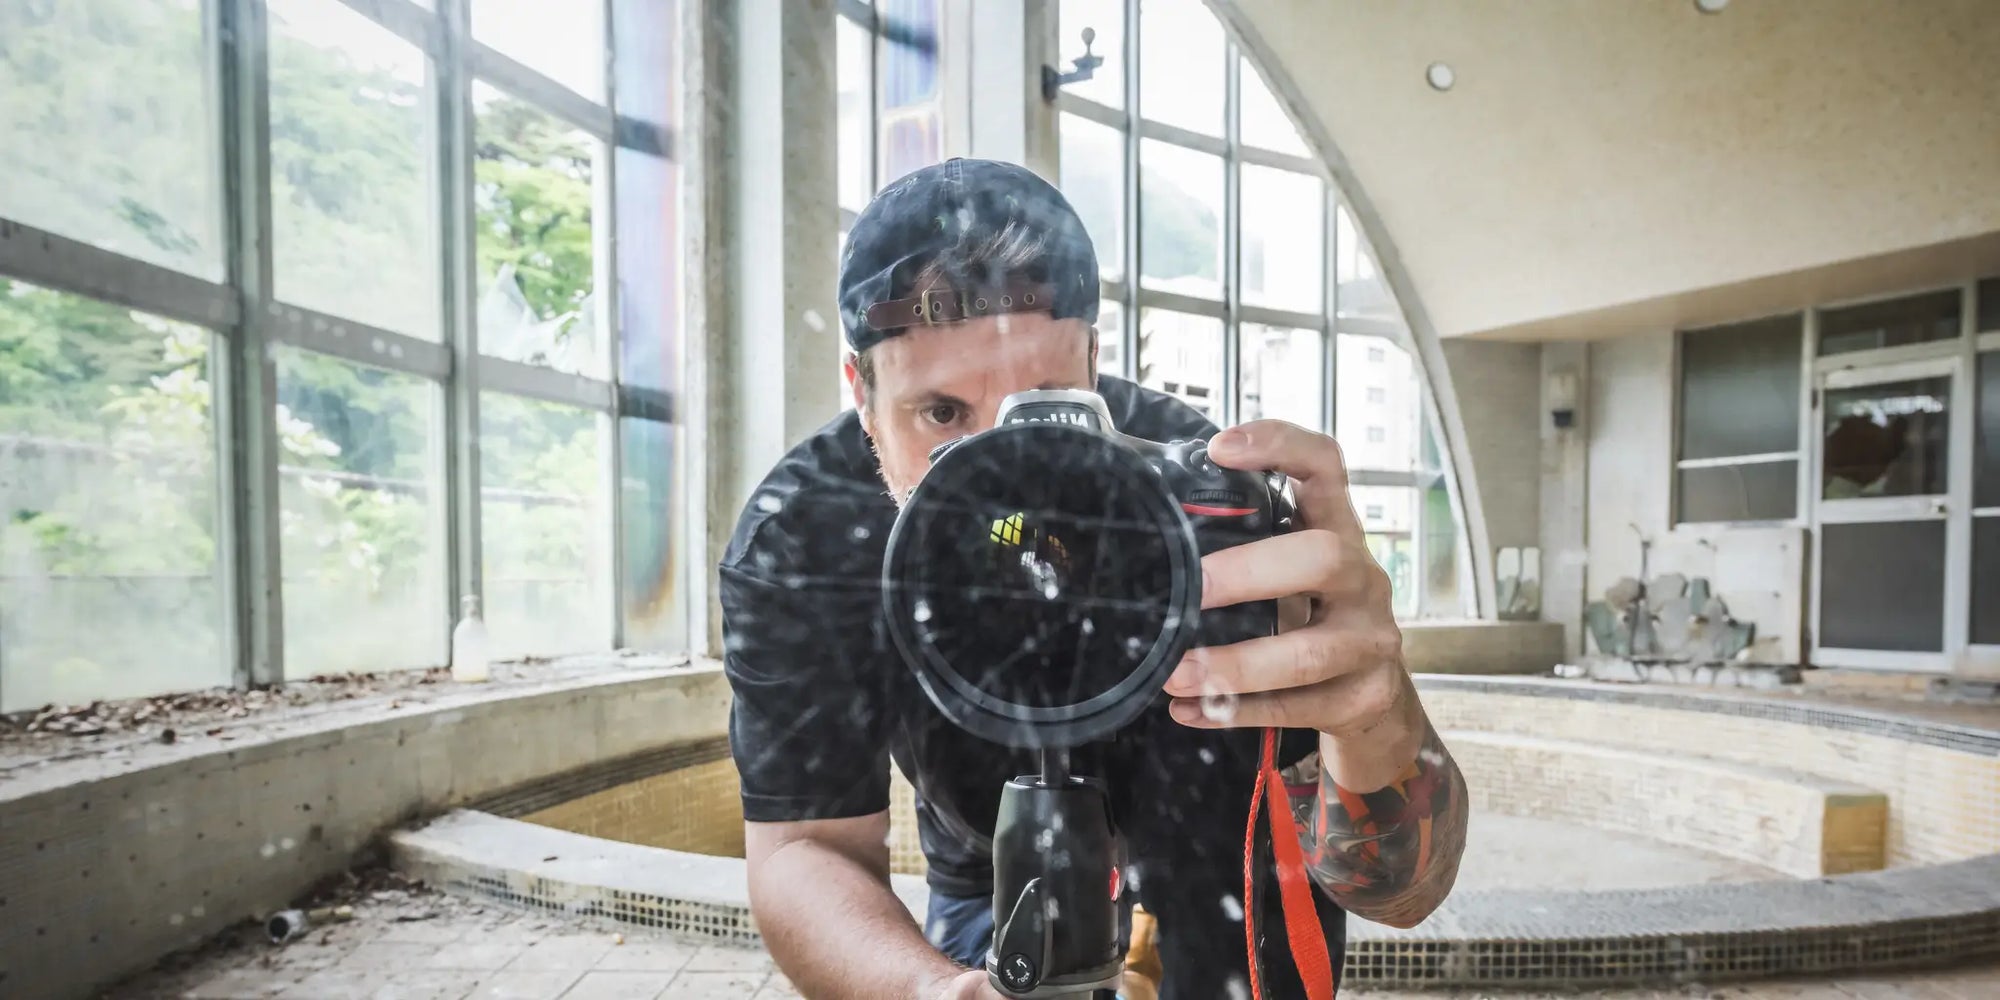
[1390,855]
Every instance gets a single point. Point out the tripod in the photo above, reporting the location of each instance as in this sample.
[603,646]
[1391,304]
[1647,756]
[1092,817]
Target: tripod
[1056,883]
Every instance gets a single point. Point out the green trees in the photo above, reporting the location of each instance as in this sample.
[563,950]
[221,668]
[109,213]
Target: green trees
[109,466]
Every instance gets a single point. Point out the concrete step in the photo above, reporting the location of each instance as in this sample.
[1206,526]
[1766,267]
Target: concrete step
[1803,825]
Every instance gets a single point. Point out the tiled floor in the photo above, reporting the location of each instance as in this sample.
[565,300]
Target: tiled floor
[459,951]
[430,947]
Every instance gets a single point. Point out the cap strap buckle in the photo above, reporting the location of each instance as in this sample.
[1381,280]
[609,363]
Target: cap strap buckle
[940,306]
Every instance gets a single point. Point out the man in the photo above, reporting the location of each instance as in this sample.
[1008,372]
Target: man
[823,703]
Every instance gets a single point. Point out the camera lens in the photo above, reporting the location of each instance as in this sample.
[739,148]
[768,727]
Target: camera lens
[1042,582]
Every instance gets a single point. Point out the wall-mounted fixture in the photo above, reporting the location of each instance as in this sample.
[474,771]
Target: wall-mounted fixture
[1440,76]
[1086,67]
[1562,398]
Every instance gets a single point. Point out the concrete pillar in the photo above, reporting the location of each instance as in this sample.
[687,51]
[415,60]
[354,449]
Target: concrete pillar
[993,53]
[760,191]
[1565,487]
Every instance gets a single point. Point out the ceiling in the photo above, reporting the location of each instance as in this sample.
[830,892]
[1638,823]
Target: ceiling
[1599,168]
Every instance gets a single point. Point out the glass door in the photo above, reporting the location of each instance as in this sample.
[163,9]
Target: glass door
[1984,611]
[1883,515]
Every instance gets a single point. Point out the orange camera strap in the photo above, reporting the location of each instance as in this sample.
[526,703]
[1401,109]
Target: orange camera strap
[1302,926]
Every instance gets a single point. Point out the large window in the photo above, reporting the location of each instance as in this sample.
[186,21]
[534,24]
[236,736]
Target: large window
[1255,294]
[889,92]
[1739,421]
[287,367]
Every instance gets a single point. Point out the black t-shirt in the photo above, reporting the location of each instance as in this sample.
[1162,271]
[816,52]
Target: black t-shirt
[823,703]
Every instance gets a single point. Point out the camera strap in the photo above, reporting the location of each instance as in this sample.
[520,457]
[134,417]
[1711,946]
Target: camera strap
[1302,926]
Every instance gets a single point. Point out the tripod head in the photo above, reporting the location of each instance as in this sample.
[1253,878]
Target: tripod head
[1056,887]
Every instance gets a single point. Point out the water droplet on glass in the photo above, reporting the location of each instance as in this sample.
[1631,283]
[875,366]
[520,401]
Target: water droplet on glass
[1172,622]
[1232,908]
[1045,840]
[1050,590]
[1133,646]
[1087,626]
[922,612]
[860,533]
[1053,909]
[1056,821]
[769,503]
[1207,756]
[1217,705]
[813,320]
[1237,989]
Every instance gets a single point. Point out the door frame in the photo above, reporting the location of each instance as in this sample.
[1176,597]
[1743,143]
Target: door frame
[1956,360]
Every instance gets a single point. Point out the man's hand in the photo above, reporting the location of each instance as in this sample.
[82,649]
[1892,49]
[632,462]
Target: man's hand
[971,984]
[1340,670]
[1389,824]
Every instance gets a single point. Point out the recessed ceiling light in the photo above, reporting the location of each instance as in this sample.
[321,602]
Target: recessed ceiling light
[1710,6]
[1440,76]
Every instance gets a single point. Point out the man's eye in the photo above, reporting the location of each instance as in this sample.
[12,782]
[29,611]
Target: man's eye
[943,414]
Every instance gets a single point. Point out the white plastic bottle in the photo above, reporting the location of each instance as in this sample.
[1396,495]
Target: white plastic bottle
[468,643]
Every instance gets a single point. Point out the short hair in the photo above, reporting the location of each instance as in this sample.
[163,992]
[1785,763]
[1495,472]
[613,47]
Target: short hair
[1013,253]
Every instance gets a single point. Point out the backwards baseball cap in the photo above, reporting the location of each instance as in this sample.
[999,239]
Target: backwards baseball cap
[928,225]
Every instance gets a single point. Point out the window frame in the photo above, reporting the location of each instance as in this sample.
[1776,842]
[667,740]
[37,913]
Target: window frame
[1797,454]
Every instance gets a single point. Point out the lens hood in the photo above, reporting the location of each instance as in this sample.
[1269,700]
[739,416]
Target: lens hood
[1042,582]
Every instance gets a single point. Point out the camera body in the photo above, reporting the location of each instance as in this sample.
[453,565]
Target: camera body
[1042,581]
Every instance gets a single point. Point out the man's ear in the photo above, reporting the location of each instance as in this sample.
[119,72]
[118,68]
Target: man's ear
[860,395]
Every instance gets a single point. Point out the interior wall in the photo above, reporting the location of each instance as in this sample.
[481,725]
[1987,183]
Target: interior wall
[1498,386]
[1759,571]
[1593,154]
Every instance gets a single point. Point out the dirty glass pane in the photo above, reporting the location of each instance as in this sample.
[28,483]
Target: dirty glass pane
[1366,364]
[1882,586]
[1986,446]
[110,575]
[1180,219]
[1110,338]
[360,509]
[1107,18]
[1988,293]
[912,118]
[646,64]
[1283,375]
[1760,491]
[353,192]
[1912,320]
[1265,123]
[647,202]
[1886,440]
[1986,580]
[534,195]
[1181,354]
[1389,522]
[854,117]
[1181,79]
[1284,264]
[1362,292]
[562,41]
[545,529]
[1740,388]
[108,128]
[1093,179]
[653,597]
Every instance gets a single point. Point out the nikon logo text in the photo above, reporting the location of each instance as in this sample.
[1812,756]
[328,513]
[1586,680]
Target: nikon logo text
[1058,417]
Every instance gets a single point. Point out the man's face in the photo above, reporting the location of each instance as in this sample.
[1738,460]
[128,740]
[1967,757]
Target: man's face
[936,383]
